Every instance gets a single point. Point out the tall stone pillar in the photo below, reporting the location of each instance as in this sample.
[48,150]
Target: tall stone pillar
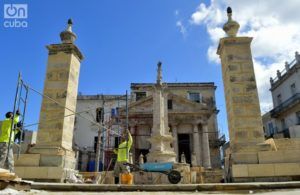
[242,104]
[161,138]
[53,155]
[175,141]
[196,144]
[205,147]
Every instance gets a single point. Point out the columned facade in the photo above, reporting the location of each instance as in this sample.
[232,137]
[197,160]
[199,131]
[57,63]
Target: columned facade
[199,142]
[175,141]
[188,123]
[205,147]
[196,144]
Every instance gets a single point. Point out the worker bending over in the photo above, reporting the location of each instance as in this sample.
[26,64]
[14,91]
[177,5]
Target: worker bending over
[7,156]
[122,155]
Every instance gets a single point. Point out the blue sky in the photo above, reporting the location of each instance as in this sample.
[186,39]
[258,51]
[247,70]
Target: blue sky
[121,41]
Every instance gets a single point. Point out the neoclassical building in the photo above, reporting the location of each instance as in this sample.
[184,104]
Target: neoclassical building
[192,116]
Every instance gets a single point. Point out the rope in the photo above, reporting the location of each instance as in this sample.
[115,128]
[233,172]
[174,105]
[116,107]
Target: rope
[74,113]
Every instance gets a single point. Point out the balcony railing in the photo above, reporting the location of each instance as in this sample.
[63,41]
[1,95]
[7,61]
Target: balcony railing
[288,67]
[281,73]
[285,105]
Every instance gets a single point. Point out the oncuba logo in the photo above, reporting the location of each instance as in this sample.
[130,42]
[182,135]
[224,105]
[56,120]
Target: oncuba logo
[15,15]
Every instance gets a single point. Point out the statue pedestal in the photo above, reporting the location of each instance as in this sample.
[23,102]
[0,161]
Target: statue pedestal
[161,150]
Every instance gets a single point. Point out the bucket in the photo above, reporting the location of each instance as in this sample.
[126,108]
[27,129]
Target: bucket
[126,178]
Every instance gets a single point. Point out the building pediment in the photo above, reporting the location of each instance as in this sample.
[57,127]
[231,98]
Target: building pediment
[179,105]
[184,105]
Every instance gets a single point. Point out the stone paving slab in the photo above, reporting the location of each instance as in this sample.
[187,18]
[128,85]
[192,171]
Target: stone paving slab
[40,192]
[174,188]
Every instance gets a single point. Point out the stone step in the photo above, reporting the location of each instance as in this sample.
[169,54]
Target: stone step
[27,160]
[265,170]
[32,172]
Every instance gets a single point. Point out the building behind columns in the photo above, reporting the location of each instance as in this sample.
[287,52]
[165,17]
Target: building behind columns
[192,117]
[97,108]
[283,121]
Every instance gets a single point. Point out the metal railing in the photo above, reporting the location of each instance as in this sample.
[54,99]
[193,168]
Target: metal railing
[286,104]
[284,71]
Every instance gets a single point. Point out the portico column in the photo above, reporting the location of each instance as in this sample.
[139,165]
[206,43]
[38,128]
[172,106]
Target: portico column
[196,143]
[133,128]
[205,147]
[175,141]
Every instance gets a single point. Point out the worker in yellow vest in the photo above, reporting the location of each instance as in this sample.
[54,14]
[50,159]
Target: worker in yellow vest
[7,156]
[122,155]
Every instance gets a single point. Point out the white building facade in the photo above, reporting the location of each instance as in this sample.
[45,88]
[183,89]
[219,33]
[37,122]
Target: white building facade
[284,119]
[88,120]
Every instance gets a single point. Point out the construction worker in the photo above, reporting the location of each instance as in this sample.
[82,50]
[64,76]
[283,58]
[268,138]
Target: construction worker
[7,156]
[122,155]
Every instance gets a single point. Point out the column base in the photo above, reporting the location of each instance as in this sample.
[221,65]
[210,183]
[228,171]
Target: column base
[53,174]
[160,156]
[55,164]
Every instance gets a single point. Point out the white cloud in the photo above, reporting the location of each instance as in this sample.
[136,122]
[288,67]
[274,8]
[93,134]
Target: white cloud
[274,26]
[181,27]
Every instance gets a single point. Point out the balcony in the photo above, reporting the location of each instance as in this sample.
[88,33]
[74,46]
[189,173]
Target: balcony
[284,106]
[218,141]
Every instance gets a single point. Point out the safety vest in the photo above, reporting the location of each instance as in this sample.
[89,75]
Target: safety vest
[6,129]
[123,150]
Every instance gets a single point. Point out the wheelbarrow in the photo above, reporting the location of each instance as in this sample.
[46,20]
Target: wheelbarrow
[174,176]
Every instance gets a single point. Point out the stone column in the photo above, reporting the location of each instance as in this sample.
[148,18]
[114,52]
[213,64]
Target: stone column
[205,147]
[196,143]
[61,84]
[242,104]
[175,141]
[161,138]
[132,130]
[53,155]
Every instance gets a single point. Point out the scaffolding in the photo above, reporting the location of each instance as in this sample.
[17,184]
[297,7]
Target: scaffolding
[20,102]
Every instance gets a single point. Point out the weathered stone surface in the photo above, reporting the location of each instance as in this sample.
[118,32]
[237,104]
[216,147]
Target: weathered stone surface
[52,160]
[280,156]
[39,172]
[244,158]
[287,169]
[240,171]
[260,170]
[27,160]
[287,144]
[274,170]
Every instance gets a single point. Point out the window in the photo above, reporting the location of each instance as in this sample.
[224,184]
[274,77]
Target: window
[293,89]
[279,100]
[271,128]
[170,104]
[113,112]
[196,97]
[95,142]
[283,125]
[139,95]
[298,117]
[99,115]
[117,142]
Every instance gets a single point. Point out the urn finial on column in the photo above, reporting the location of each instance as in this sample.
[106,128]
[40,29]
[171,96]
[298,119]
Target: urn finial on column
[67,36]
[231,27]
